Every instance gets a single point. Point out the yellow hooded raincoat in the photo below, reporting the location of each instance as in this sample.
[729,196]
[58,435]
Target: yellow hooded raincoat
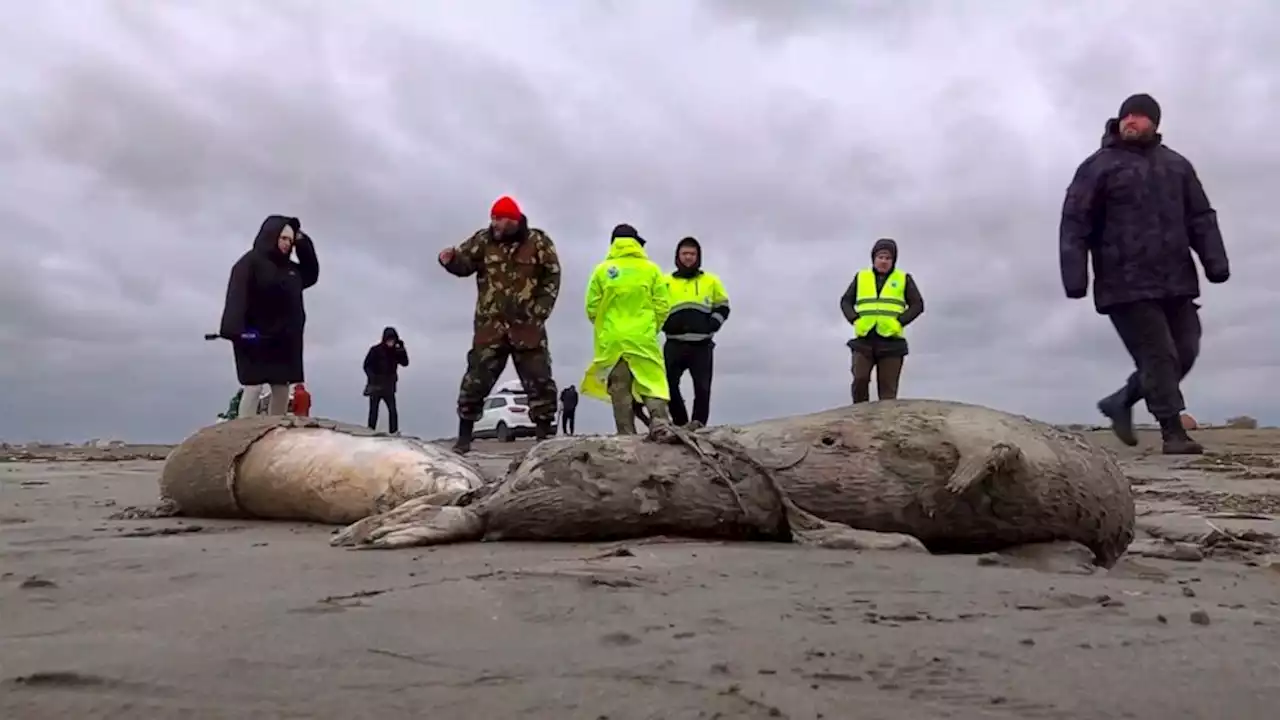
[627,303]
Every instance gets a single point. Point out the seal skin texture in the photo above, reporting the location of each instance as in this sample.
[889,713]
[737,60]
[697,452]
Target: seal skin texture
[945,476]
[309,469]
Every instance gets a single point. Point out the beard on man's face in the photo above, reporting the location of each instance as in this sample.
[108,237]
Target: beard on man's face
[1135,127]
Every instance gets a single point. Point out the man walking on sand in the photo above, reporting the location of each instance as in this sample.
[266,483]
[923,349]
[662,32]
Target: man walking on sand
[699,307]
[880,302]
[517,276]
[1138,208]
[627,304]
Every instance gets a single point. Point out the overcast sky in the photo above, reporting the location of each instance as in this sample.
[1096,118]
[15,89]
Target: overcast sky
[141,145]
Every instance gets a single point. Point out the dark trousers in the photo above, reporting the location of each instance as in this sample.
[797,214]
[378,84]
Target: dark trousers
[485,365]
[1163,338]
[699,360]
[393,415]
[888,371]
[566,421]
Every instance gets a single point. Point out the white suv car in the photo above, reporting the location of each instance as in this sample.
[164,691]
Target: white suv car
[505,417]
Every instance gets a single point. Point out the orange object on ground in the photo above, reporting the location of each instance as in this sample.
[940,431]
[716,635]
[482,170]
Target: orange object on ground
[1188,422]
[301,401]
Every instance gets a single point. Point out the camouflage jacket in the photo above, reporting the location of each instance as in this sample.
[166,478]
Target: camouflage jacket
[517,283]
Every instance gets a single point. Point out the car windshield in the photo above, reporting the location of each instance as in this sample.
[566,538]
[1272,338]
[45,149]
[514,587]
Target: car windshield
[520,400]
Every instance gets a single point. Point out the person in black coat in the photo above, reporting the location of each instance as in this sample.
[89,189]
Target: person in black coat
[568,410]
[264,316]
[382,372]
[1137,209]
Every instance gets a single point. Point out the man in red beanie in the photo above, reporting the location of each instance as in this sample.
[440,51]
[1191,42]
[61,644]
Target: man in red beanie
[517,281]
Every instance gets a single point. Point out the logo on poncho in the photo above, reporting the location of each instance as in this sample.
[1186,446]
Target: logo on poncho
[612,272]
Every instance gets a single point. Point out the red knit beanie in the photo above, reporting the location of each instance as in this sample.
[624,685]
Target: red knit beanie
[506,208]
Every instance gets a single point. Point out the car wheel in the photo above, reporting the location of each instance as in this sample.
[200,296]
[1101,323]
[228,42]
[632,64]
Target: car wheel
[504,433]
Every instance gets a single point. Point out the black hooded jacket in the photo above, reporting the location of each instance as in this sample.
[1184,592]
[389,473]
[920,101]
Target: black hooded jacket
[1137,210]
[915,306]
[264,295]
[383,362]
[569,399]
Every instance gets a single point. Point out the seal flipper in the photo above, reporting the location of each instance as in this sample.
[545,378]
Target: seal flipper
[976,467]
[416,522]
[837,536]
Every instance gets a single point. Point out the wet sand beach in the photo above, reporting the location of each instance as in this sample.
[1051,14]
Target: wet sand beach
[183,618]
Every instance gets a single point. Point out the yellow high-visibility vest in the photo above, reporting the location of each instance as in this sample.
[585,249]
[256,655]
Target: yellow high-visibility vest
[695,303]
[880,311]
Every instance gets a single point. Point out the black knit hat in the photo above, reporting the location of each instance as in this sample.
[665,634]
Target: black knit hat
[626,231]
[1140,104]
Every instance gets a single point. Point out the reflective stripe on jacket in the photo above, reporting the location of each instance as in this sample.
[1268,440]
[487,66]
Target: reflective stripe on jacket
[699,306]
[879,310]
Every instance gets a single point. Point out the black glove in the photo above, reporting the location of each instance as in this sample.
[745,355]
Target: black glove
[1077,293]
[1218,278]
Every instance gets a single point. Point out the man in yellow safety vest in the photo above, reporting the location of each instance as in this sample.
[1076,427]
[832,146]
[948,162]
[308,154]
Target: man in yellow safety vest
[879,303]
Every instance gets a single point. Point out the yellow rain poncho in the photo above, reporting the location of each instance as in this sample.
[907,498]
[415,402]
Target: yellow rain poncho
[627,304]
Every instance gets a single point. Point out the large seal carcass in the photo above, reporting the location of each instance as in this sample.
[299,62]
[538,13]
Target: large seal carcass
[945,476]
[287,468]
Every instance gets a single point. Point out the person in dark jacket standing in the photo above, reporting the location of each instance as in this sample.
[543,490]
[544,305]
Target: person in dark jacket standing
[568,409]
[880,303]
[382,372]
[1137,208]
[517,275]
[699,307]
[264,317]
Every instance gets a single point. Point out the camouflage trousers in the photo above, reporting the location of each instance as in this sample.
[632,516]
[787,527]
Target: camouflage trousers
[485,366]
[620,396]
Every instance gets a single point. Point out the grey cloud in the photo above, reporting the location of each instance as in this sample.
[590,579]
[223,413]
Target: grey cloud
[146,143]
[774,22]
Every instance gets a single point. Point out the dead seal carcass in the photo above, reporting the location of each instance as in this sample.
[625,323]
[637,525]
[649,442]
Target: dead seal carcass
[287,468]
[957,477]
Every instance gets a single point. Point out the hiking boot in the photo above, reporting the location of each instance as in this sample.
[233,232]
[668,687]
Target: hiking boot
[462,445]
[1175,439]
[1116,408]
[659,414]
[542,431]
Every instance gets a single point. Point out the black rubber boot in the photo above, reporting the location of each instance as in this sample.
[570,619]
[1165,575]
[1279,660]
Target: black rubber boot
[542,431]
[462,445]
[1176,440]
[1119,411]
